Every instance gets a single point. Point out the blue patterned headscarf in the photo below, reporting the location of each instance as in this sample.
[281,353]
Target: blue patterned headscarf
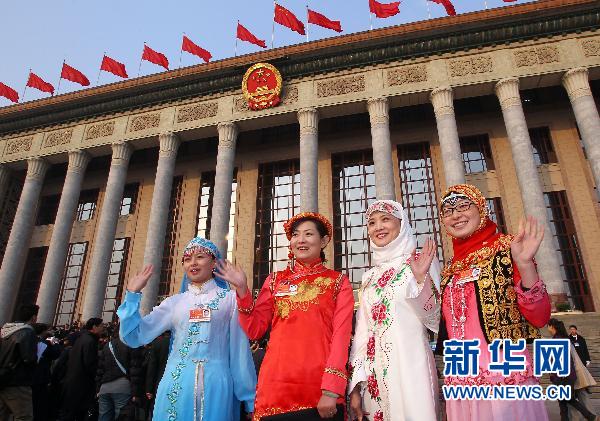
[205,246]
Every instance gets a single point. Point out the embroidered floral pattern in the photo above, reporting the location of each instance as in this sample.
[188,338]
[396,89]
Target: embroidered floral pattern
[308,293]
[378,416]
[373,387]
[379,312]
[385,278]
[371,348]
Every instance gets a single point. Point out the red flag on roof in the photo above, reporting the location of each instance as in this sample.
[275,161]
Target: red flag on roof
[447,5]
[74,75]
[155,57]
[113,66]
[246,35]
[384,10]
[286,18]
[8,93]
[322,20]
[190,47]
[34,81]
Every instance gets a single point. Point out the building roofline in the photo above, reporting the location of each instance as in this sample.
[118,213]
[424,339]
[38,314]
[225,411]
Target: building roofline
[415,39]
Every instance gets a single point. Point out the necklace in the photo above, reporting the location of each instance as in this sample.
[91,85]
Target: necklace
[460,321]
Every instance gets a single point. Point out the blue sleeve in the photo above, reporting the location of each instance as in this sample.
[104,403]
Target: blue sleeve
[136,330]
[241,363]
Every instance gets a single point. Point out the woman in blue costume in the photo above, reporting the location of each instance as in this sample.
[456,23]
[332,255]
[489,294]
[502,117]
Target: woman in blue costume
[210,367]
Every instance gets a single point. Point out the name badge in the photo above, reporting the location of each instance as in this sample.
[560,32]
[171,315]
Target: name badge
[468,275]
[200,315]
[576,344]
[286,290]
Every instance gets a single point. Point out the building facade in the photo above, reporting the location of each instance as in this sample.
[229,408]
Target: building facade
[95,184]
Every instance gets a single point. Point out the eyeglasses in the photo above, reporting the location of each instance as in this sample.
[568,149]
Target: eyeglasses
[460,208]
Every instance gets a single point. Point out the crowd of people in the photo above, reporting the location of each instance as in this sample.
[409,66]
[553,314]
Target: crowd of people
[191,357]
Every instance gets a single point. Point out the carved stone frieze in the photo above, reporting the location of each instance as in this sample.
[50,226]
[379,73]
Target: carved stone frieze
[22,144]
[143,122]
[98,130]
[591,47]
[289,94]
[58,138]
[240,104]
[470,66]
[409,74]
[341,86]
[536,56]
[197,112]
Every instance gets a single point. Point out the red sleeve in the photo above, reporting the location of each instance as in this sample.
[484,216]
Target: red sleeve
[534,303]
[255,317]
[335,376]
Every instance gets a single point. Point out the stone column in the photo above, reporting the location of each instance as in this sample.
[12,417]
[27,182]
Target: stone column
[157,224]
[382,148]
[532,195]
[105,232]
[577,85]
[61,233]
[4,180]
[221,208]
[309,150]
[20,235]
[443,105]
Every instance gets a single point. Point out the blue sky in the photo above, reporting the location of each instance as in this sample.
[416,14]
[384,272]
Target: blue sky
[39,34]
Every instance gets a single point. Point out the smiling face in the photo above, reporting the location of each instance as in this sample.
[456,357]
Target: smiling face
[382,228]
[464,219]
[306,242]
[198,266]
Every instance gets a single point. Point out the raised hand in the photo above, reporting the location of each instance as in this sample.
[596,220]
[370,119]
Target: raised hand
[527,241]
[420,264]
[234,275]
[137,282]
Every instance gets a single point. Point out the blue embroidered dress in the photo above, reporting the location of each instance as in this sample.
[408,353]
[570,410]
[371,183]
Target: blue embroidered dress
[210,367]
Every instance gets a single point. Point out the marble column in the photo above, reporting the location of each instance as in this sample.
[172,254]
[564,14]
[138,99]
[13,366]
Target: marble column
[4,180]
[309,150]
[61,234]
[577,85]
[221,208]
[382,148]
[530,185]
[20,235]
[95,289]
[157,224]
[443,105]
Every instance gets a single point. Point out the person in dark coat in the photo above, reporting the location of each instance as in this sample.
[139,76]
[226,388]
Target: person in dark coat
[47,352]
[18,358]
[118,378]
[155,368]
[79,386]
[580,345]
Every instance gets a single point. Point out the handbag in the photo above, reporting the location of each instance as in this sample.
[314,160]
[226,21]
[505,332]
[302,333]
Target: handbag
[310,414]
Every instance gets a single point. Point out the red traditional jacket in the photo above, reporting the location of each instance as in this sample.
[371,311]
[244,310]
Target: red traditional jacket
[309,309]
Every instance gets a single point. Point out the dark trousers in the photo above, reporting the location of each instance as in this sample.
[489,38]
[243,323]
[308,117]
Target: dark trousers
[16,401]
[564,411]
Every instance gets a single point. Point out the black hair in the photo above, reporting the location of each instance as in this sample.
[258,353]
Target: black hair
[561,331]
[92,323]
[25,312]
[573,326]
[40,328]
[321,228]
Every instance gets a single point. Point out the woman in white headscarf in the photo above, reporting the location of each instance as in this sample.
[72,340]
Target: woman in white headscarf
[393,369]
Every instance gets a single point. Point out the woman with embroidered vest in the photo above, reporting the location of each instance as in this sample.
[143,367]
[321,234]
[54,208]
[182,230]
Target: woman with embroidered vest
[490,290]
[393,369]
[210,369]
[309,310]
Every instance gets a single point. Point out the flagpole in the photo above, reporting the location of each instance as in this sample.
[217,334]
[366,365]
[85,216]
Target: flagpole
[100,69]
[181,52]
[428,9]
[60,78]
[273,30]
[25,88]
[371,19]
[236,38]
[485,2]
[306,20]
[141,58]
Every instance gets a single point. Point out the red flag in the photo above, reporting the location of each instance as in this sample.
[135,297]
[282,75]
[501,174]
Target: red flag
[322,20]
[113,66]
[74,75]
[37,82]
[8,92]
[190,47]
[447,5]
[155,57]
[246,35]
[384,10]
[286,18]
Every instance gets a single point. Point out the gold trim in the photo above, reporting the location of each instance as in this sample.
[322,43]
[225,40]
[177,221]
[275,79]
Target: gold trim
[336,372]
